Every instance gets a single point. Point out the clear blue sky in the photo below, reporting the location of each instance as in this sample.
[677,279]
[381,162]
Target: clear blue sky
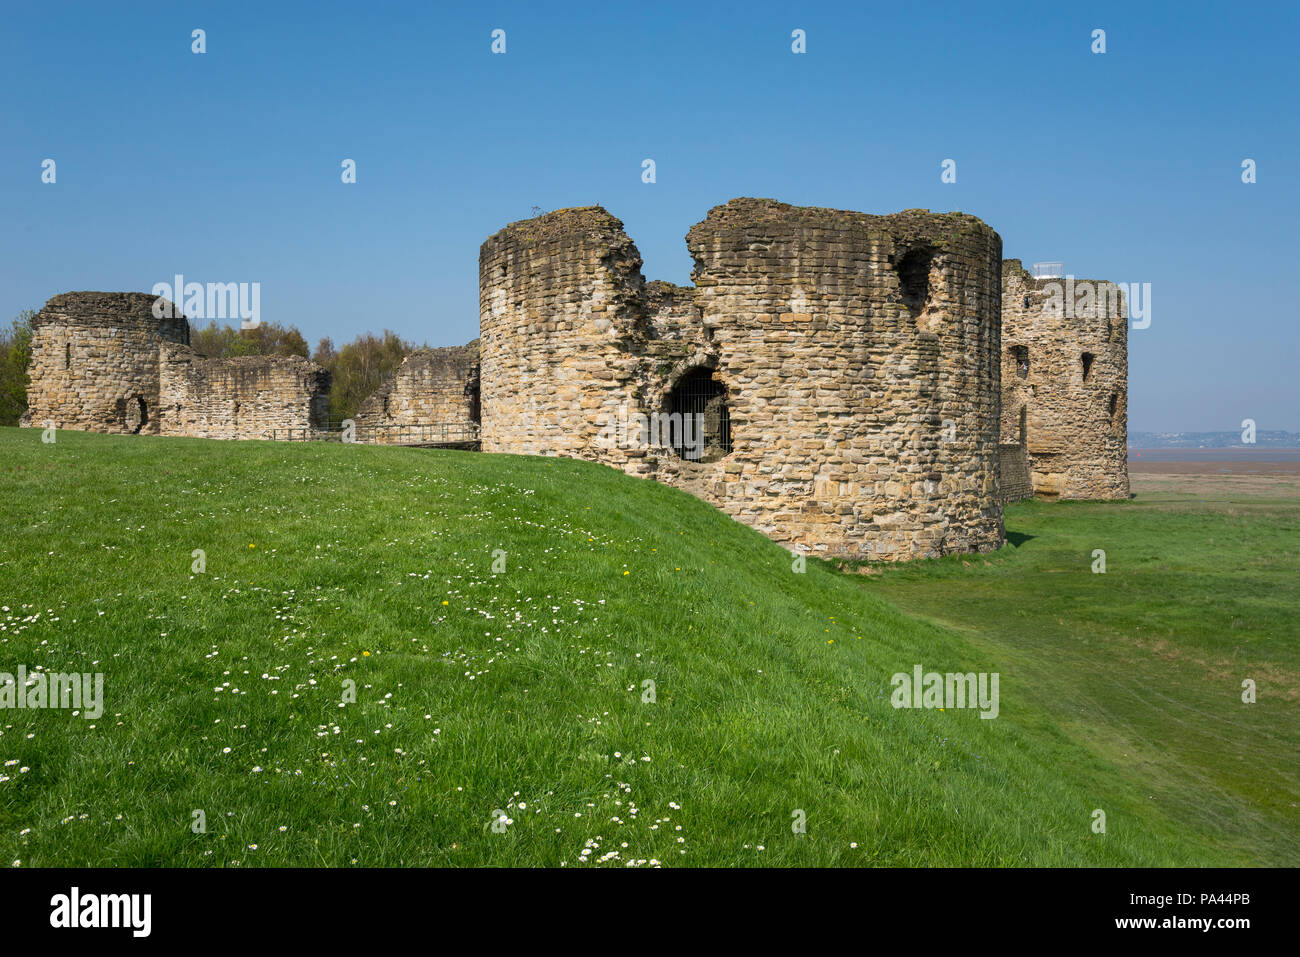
[225,166]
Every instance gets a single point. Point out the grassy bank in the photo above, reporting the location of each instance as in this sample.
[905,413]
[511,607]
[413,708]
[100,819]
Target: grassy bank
[524,690]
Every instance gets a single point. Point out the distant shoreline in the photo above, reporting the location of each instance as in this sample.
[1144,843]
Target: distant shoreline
[1226,461]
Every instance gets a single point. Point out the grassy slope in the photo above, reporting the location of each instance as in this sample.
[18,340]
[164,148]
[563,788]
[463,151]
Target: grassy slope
[1144,664]
[478,692]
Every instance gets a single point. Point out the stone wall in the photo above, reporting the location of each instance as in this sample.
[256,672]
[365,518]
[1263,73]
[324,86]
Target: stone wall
[248,397]
[853,360]
[94,364]
[1065,374]
[101,362]
[431,387]
[1013,465]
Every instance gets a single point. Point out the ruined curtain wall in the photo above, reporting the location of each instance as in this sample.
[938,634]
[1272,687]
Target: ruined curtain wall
[430,387]
[240,398]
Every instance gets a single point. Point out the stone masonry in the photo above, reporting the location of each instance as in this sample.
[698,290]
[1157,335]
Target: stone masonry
[431,387]
[1065,382]
[101,362]
[94,364]
[848,366]
[849,385]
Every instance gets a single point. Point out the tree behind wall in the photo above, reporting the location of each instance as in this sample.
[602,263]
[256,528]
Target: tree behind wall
[264,339]
[359,368]
[15,355]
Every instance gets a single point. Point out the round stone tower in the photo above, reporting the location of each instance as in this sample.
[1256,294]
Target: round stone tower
[95,361]
[831,379]
[560,319]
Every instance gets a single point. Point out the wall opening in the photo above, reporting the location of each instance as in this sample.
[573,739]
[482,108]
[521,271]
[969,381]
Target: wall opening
[135,414]
[1086,359]
[67,355]
[472,400]
[700,423]
[914,278]
[1020,357]
[1114,406]
[1024,426]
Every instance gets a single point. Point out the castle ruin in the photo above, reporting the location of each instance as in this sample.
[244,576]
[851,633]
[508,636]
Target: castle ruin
[845,367]
[849,385]
[1065,382]
[103,362]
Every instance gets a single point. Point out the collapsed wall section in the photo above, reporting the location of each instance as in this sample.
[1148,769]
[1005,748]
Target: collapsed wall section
[430,388]
[1065,382]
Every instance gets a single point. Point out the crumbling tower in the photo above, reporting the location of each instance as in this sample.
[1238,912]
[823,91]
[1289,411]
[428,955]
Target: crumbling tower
[844,367]
[95,363]
[1065,381]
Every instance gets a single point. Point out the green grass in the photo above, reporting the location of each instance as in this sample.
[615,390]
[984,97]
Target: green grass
[1144,664]
[523,691]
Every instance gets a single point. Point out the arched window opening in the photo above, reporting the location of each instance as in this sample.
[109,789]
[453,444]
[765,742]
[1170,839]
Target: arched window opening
[699,423]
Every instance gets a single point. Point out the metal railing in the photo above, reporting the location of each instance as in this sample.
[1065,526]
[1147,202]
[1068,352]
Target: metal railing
[436,433]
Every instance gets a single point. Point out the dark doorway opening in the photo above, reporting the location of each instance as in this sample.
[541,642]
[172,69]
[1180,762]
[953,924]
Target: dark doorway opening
[473,402]
[1087,360]
[699,422]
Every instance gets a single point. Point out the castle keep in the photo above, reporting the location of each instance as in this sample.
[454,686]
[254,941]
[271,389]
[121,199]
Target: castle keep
[845,365]
[849,385]
[102,362]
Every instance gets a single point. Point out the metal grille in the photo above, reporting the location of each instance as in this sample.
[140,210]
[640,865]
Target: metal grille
[706,435]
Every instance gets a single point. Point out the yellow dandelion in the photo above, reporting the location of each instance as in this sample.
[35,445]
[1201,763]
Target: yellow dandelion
[445,603]
[365,654]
